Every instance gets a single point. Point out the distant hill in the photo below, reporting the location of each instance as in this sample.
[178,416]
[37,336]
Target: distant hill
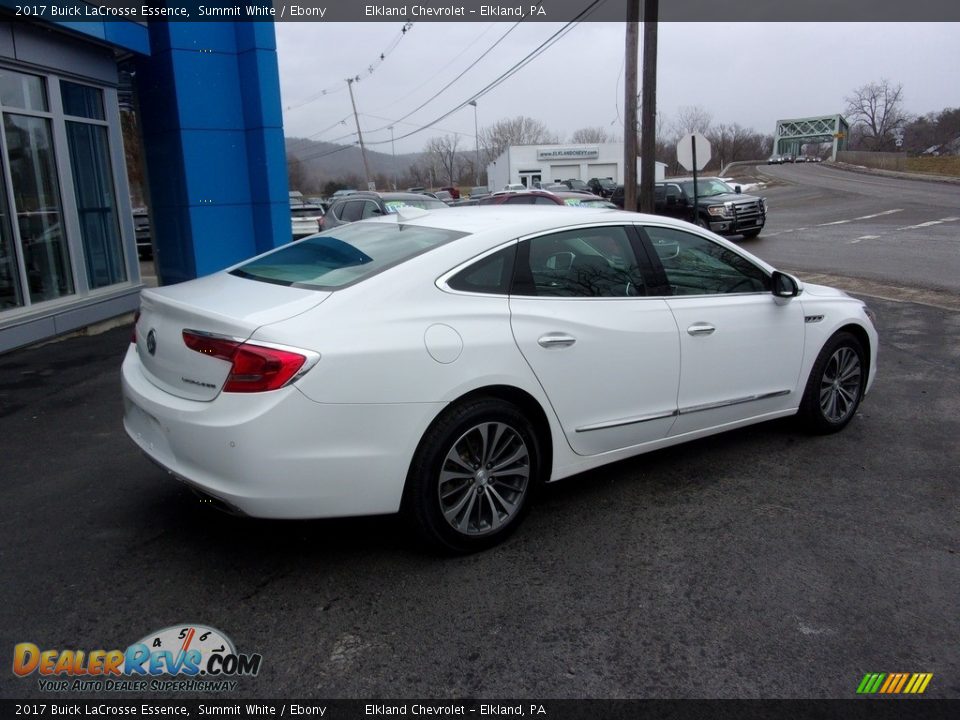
[321,162]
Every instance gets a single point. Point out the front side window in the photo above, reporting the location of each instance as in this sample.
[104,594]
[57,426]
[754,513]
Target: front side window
[370,209]
[351,211]
[695,265]
[587,262]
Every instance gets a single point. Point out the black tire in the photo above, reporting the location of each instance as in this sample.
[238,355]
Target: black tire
[835,386]
[750,234]
[490,507]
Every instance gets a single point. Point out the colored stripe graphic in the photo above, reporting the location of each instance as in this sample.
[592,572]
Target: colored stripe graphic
[894,683]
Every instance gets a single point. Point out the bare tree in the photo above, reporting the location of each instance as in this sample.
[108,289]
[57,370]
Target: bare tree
[442,152]
[590,135]
[729,143]
[520,130]
[692,118]
[877,110]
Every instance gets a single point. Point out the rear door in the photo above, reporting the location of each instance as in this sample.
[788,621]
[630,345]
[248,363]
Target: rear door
[606,355]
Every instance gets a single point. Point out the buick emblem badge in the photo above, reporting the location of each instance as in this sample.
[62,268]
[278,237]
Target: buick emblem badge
[152,342]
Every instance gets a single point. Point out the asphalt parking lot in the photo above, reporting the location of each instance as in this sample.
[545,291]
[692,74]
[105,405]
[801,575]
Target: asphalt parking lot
[760,563]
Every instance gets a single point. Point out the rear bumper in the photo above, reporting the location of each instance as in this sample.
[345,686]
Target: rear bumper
[278,454]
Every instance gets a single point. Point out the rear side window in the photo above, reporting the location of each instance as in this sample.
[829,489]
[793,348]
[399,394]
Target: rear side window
[344,255]
[491,275]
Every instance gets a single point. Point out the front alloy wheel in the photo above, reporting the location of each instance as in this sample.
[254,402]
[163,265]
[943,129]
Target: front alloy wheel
[840,385]
[835,386]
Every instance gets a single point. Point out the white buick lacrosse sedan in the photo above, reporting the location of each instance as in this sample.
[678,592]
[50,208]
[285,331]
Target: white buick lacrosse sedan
[445,364]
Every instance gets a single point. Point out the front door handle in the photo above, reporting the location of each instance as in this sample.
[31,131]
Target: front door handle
[701,329]
[556,340]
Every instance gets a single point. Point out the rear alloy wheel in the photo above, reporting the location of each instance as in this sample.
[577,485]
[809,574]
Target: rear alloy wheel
[835,387]
[473,476]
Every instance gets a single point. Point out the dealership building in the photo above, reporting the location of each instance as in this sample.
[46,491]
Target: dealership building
[207,100]
[531,164]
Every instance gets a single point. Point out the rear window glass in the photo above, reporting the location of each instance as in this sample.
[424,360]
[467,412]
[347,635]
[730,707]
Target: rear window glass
[344,255]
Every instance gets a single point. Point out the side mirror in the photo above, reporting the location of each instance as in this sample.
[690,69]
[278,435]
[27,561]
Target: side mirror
[736,189]
[784,285]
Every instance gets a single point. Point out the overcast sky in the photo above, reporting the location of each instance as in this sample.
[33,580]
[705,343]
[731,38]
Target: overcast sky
[750,73]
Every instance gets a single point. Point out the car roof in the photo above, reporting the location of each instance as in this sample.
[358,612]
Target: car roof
[689,179]
[523,219]
[371,195]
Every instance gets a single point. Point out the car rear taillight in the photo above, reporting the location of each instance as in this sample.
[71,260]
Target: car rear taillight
[255,368]
[133,332]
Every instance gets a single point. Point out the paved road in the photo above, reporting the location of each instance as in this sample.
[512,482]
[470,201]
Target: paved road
[761,563]
[902,232]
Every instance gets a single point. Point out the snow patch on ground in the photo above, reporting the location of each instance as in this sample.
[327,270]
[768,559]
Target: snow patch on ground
[744,187]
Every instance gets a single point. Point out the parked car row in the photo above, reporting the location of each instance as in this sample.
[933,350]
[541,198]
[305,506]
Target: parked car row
[781,159]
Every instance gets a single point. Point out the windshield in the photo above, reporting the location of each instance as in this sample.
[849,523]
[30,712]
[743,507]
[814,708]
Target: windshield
[344,255]
[707,188]
[424,203]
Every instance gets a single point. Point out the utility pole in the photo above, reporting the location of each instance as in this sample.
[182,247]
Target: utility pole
[363,150]
[630,107]
[648,106]
[476,135]
[393,151]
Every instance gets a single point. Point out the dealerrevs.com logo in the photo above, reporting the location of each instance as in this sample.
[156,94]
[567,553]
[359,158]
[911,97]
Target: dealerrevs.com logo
[186,658]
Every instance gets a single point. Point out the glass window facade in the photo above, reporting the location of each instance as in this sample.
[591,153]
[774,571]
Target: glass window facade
[60,229]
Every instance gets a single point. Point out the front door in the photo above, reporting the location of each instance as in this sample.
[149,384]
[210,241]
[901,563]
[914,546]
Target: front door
[741,347]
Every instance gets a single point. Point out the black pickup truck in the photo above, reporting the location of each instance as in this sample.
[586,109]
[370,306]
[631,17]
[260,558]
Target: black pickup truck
[721,208]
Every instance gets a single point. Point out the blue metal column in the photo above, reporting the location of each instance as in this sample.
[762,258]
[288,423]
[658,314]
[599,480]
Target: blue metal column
[213,133]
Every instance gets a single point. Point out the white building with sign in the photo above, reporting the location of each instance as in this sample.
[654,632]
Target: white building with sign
[531,164]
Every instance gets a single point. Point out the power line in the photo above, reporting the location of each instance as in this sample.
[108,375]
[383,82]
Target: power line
[356,78]
[468,69]
[539,50]
[439,72]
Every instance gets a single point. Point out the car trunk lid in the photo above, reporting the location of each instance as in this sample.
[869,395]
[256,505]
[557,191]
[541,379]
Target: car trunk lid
[220,305]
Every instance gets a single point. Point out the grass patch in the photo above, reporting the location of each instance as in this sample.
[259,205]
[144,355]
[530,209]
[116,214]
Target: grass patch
[946,165]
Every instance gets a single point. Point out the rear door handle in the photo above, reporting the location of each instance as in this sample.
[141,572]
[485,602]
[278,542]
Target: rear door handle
[556,340]
[701,329]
